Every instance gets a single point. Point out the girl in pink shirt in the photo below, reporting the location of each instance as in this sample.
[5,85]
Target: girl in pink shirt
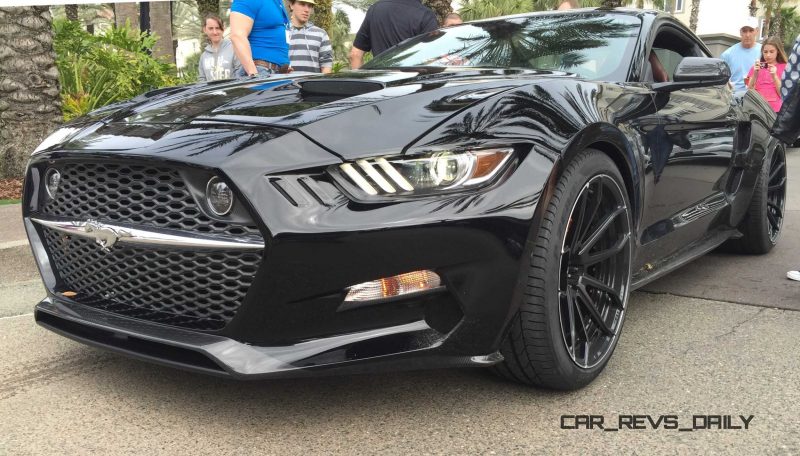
[765,76]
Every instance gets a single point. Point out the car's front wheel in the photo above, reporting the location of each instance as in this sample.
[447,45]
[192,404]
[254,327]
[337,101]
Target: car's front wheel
[578,280]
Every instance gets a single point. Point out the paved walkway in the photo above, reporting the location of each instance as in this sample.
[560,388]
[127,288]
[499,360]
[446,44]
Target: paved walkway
[12,233]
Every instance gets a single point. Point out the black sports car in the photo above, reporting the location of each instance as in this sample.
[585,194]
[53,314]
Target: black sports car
[482,195]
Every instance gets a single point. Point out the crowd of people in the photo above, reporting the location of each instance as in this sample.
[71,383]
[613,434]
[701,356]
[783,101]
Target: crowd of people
[266,39]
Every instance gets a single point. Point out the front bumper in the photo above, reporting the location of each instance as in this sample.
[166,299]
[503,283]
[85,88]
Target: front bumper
[409,346]
[317,243]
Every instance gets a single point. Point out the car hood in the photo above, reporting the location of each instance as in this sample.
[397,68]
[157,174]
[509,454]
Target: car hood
[352,114]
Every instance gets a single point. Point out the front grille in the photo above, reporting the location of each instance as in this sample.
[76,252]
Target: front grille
[197,290]
[135,194]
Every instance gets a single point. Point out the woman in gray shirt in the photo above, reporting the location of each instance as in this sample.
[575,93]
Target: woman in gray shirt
[217,60]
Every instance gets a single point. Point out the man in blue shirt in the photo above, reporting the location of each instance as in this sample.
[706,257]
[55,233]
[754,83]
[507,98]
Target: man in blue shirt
[259,34]
[741,56]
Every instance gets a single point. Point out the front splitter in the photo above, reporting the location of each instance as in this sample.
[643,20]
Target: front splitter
[222,356]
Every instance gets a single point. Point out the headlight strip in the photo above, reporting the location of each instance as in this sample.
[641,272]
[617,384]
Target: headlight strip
[432,172]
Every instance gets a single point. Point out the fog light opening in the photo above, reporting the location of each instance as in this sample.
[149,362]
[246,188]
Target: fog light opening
[52,180]
[219,196]
[395,286]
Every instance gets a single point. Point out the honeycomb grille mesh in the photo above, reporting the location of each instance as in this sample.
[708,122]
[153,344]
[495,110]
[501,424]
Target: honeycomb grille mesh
[189,289]
[134,194]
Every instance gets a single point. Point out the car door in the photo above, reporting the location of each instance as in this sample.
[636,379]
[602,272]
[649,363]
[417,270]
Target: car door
[688,153]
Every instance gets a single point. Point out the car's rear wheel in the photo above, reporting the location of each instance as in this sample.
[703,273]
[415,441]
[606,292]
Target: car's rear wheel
[569,321]
[762,225]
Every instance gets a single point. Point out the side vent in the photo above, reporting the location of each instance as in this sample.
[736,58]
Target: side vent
[741,147]
[302,191]
[743,134]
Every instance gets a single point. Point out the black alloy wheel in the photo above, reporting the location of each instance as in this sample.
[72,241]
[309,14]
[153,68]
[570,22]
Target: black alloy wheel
[577,283]
[595,272]
[776,194]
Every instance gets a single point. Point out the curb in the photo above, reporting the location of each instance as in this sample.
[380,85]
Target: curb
[13,244]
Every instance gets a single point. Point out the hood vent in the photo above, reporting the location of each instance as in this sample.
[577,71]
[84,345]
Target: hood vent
[327,90]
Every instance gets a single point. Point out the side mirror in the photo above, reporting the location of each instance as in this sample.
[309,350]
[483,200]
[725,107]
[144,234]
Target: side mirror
[702,70]
[697,72]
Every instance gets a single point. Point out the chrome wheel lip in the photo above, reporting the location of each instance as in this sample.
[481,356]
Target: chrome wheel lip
[776,197]
[625,288]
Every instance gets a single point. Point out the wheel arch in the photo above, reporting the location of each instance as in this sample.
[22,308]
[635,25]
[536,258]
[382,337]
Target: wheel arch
[612,142]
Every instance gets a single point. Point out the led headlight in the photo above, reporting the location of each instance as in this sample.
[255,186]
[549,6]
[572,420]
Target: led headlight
[219,196]
[429,173]
[52,179]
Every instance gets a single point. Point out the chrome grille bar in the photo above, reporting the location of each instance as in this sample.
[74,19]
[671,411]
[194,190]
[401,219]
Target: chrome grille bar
[108,235]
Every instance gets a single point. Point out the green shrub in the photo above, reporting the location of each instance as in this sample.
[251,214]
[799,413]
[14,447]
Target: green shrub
[97,70]
[189,73]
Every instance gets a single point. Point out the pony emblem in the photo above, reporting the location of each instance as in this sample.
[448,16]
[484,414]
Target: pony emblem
[103,235]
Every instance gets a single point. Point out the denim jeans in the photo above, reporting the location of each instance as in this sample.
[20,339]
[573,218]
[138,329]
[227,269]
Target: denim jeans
[262,71]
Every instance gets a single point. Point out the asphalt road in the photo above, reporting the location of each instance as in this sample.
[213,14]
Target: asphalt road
[719,337]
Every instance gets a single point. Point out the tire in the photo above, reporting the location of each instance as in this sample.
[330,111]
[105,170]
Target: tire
[568,286]
[761,226]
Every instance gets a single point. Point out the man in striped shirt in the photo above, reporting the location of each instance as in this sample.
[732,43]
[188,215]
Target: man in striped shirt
[309,46]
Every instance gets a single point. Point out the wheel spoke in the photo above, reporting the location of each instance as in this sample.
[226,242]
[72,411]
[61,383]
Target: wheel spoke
[594,315]
[777,212]
[598,201]
[588,260]
[773,222]
[777,186]
[598,233]
[775,170]
[581,321]
[578,224]
[590,281]
[571,318]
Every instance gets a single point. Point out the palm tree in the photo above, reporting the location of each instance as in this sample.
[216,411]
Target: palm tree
[789,26]
[323,15]
[205,7]
[126,13]
[71,11]
[98,16]
[657,4]
[772,16]
[694,15]
[339,34]
[30,106]
[362,5]
[161,26]
[481,9]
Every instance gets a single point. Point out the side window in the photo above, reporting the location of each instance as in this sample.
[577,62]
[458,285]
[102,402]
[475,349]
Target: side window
[669,60]
[669,48]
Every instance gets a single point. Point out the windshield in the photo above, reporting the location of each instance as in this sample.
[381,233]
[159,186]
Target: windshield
[594,45]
